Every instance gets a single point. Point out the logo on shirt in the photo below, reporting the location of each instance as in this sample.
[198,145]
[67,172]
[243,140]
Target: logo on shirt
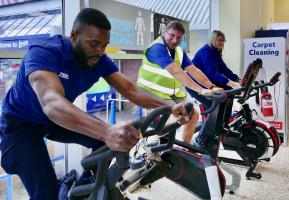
[63,75]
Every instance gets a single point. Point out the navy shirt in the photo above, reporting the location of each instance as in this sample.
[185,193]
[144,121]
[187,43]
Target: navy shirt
[212,65]
[54,55]
[158,54]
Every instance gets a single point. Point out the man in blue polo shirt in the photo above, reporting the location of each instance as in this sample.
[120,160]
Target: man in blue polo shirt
[166,69]
[39,104]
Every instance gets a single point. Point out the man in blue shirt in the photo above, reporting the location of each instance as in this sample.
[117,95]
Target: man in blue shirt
[39,104]
[165,71]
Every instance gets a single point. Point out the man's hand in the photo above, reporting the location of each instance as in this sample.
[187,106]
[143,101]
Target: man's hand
[181,113]
[206,91]
[121,137]
[234,85]
[218,90]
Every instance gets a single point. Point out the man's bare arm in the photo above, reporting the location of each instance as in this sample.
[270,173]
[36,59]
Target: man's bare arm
[178,73]
[58,109]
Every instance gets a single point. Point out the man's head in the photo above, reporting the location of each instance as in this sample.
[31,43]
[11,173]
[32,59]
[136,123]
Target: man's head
[173,34]
[89,36]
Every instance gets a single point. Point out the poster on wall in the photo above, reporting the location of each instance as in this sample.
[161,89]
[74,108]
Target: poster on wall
[130,26]
[160,22]
[98,95]
[270,104]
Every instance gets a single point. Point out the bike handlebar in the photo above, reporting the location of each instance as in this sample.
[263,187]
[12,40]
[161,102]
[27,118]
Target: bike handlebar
[142,124]
[218,98]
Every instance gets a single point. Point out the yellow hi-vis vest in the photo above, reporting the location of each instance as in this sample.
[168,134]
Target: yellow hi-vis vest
[159,81]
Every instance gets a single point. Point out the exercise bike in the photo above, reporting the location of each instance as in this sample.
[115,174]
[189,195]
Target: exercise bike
[106,174]
[185,163]
[178,162]
[106,177]
[252,140]
[196,169]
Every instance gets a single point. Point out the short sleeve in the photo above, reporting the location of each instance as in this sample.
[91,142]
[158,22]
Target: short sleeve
[40,58]
[186,61]
[158,54]
[107,66]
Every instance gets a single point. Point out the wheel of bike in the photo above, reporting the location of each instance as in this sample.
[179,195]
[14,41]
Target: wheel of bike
[257,140]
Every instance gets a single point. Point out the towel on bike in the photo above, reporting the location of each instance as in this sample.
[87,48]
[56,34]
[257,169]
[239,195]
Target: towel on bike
[65,183]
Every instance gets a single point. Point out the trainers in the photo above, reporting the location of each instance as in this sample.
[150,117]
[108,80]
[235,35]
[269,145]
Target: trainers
[200,141]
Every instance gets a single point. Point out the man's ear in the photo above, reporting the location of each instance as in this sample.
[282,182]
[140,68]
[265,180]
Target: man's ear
[74,35]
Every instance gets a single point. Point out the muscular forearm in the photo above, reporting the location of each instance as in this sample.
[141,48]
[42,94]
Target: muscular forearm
[67,115]
[182,77]
[199,76]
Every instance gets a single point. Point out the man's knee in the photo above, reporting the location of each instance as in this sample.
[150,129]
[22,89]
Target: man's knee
[195,116]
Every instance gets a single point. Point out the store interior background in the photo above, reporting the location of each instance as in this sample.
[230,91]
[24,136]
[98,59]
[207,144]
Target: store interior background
[238,19]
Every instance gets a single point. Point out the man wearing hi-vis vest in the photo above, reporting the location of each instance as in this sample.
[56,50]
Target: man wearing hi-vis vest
[164,72]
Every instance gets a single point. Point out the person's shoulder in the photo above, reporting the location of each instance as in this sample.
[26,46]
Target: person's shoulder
[206,47]
[156,46]
[105,59]
[54,43]
[157,49]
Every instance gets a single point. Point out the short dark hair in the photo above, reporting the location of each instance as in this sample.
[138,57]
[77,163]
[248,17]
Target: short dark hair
[175,25]
[91,17]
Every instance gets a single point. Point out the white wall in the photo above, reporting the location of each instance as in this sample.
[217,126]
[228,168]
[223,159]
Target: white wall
[230,25]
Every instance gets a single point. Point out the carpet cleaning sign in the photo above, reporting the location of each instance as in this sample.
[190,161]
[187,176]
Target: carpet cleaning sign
[264,49]
[270,104]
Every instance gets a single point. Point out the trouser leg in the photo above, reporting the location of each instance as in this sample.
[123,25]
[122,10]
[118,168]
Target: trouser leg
[59,134]
[29,159]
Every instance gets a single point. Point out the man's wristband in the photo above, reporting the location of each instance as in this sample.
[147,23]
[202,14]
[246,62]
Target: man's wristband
[212,86]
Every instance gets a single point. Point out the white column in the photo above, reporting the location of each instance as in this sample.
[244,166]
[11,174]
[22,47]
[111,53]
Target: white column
[75,152]
[214,14]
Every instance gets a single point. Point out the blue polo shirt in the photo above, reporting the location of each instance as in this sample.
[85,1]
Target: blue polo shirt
[158,54]
[54,55]
[212,65]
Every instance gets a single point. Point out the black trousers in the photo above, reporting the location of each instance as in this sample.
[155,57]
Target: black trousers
[24,153]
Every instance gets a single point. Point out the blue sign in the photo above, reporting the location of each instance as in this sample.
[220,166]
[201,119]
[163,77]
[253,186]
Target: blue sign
[122,32]
[18,43]
[97,102]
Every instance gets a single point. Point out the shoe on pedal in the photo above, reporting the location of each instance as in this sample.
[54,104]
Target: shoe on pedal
[200,141]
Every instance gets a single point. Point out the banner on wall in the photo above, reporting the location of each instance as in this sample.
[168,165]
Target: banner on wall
[270,105]
[21,42]
[97,96]
[160,22]
[130,26]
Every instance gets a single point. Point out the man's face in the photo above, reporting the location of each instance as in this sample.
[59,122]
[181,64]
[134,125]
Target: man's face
[173,38]
[89,44]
